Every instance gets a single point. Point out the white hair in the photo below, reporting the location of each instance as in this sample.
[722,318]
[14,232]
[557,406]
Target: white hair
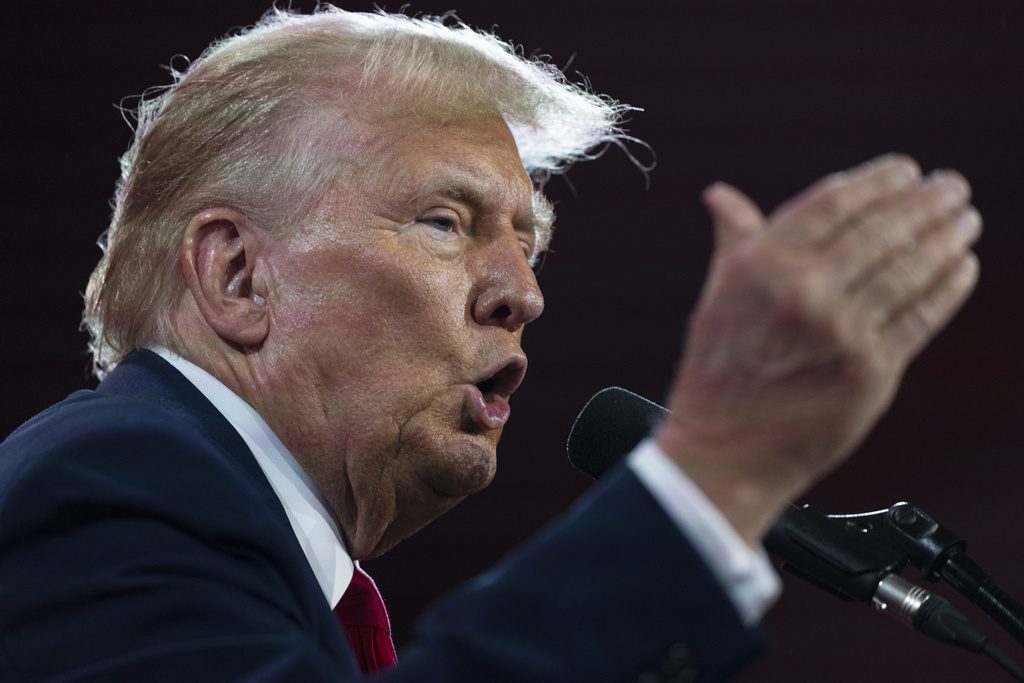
[243,124]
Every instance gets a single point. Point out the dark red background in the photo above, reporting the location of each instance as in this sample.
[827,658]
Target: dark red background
[766,95]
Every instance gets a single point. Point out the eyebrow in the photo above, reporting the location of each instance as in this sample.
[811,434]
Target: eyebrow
[543,223]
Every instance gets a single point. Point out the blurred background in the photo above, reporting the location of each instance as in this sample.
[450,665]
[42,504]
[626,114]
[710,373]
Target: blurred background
[766,95]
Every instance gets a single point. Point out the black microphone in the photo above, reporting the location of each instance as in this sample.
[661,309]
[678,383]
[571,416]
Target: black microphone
[612,423]
[829,554]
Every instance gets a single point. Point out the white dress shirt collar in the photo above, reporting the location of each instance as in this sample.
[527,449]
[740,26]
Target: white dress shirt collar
[315,529]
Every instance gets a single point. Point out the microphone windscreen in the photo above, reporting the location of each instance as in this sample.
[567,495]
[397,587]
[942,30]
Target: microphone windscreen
[612,423]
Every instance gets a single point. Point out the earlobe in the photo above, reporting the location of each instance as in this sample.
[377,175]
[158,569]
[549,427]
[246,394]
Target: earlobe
[218,255]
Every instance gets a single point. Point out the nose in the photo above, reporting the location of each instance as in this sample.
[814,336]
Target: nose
[507,294]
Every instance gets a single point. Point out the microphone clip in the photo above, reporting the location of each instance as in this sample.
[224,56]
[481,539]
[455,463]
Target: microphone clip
[835,556]
[852,555]
[911,534]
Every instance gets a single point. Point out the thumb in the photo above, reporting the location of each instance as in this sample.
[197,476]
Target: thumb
[735,215]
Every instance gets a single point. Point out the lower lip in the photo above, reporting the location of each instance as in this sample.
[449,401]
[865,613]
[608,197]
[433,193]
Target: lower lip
[490,411]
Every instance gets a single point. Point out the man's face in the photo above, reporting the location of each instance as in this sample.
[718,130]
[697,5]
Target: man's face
[397,316]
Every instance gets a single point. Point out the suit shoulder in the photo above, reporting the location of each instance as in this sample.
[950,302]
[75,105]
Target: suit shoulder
[92,446]
[88,415]
[125,515]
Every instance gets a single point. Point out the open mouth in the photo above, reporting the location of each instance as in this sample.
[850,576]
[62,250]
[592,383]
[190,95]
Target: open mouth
[488,404]
[503,381]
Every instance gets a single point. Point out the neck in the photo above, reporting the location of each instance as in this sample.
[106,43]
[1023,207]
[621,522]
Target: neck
[347,472]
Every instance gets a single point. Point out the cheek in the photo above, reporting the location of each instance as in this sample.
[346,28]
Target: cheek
[416,297]
[384,312]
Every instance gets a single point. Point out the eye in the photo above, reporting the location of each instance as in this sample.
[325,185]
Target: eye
[441,222]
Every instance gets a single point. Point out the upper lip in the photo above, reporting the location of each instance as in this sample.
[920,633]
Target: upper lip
[503,377]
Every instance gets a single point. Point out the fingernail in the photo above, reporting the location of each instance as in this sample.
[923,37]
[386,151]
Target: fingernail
[715,191]
[952,183]
[967,271]
[969,223]
[906,172]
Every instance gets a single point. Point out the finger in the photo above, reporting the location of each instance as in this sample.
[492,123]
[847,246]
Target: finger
[814,215]
[869,241]
[909,273]
[735,215]
[911,328]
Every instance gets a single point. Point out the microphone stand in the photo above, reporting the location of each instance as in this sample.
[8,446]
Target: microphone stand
[856,557]
[915,537]
[859,557]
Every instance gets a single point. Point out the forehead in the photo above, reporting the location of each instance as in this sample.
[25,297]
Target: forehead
[473,160]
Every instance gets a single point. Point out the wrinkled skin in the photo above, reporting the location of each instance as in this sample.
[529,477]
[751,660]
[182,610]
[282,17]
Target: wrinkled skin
[806,324]
[372,321]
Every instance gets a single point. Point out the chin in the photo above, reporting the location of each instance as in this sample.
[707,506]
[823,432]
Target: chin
[461,467]
[447,458]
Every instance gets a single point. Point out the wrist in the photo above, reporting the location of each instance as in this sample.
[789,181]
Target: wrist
[735,479]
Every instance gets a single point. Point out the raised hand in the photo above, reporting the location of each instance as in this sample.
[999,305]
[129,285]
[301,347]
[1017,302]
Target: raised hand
[806,324]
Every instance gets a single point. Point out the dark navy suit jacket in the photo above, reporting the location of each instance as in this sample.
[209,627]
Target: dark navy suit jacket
[140,541]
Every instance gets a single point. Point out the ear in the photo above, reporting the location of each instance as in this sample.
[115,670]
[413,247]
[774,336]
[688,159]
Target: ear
[218,255]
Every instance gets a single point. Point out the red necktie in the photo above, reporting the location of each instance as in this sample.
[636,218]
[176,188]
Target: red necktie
[362,615]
